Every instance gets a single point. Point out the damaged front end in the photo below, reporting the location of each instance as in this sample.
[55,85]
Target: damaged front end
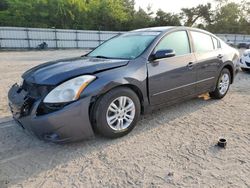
[22,98]
[51,122]
[20,102]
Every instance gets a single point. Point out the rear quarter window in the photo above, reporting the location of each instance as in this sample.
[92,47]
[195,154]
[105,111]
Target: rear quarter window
[216,43]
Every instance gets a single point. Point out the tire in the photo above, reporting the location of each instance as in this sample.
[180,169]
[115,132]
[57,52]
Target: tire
[219,93]
[104,111]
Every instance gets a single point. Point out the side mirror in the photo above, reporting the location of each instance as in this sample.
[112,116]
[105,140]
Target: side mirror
[163,54]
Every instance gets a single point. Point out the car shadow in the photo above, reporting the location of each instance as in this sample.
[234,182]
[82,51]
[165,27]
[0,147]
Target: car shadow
[23,156]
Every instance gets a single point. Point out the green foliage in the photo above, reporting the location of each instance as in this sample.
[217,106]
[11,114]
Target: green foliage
[105,15]
[141,19]
[42,13]
[3,5]
[191,15]
[231,18]
[121,15]
[228,17]
[162,18]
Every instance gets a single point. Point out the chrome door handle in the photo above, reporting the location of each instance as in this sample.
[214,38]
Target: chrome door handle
[220,56]
[190,65]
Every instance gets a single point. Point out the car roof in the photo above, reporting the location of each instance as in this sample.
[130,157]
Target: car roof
[167,28]
[154,29]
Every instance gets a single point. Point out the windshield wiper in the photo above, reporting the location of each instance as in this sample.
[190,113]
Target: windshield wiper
[103,57]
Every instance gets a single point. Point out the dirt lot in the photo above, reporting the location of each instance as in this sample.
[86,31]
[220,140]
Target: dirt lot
[173,147]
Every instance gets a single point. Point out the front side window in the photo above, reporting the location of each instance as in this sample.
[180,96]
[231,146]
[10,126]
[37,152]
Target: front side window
[202,42]
[125,46]
[177,41]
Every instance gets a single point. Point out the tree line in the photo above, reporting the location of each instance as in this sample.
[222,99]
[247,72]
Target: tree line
[226,17]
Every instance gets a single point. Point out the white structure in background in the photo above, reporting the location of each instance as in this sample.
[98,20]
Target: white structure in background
[30,38]
[18,37]
[234,39]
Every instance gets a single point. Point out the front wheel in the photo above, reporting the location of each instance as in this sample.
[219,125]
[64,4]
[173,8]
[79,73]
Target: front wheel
[117,112]
[223,85]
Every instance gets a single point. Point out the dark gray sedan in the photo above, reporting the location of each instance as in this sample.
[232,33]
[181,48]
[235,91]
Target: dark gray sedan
[108,89]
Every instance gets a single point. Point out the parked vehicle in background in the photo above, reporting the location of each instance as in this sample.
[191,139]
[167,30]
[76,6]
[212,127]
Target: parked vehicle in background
[230,43]
[244,44]
[245,61]
[108,89]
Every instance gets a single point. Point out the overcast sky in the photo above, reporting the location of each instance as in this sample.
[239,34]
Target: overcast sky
[171,5]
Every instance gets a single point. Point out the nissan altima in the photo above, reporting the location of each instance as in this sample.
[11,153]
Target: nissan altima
[105,91]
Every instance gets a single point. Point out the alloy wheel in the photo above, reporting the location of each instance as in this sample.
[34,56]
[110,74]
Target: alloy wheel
[224,83]
[120,113]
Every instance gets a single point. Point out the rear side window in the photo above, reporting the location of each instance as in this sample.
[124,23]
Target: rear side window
[202,42]
[178,41]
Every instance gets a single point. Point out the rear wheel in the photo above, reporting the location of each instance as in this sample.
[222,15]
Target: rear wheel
[117,112]
[223,85]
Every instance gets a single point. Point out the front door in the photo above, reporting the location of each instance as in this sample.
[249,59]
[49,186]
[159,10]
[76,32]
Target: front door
[174,77]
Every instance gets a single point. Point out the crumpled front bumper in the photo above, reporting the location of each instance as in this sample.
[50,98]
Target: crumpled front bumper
[71,123]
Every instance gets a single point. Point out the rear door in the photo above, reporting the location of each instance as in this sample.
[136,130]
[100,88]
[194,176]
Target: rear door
[208,57]
[173,77]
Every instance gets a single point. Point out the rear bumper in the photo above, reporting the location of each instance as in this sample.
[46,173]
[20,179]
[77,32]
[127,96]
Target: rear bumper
[71,123]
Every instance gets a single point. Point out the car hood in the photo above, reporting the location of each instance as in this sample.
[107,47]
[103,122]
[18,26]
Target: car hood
[55,72]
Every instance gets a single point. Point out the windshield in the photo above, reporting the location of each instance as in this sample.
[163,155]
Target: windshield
[125,46]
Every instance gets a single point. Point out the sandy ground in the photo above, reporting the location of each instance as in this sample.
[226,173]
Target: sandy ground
[172,147]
